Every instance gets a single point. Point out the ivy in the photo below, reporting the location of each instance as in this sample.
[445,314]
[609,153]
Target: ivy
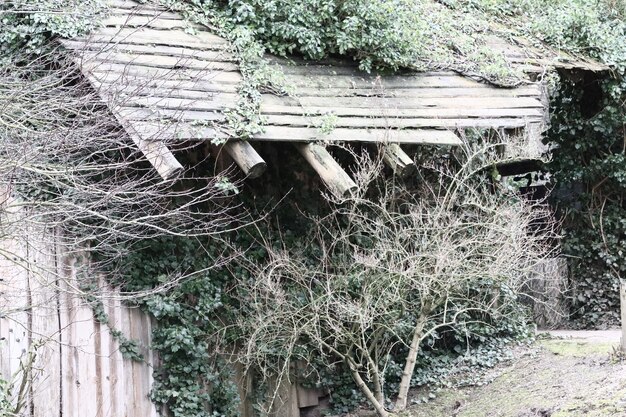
[129,348]
[29,26]
[590,174]
[193,379]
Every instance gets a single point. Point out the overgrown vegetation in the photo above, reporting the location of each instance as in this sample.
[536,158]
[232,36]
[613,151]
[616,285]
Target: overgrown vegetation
[589,128]
[386,269]
[196,317]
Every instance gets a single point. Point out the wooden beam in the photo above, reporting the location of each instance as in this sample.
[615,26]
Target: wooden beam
[245,157]
[398,161]
[159,156]
[335,178]
[622,298]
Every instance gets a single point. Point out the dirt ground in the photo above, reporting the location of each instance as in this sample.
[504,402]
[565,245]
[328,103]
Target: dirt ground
[569,374]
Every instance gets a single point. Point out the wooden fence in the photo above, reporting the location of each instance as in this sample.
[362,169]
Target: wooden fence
[60,361]
[64,363]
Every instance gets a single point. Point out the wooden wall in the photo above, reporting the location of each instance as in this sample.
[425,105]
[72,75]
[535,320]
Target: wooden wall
[77,368]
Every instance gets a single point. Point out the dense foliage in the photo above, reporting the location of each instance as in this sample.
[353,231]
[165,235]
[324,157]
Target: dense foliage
[590,193]
[29,25]
[193,379]
[387,34]
[589,130]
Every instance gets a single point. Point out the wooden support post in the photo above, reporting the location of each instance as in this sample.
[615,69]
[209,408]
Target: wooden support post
[622,299]
[159,156]
[398,161]
[246,157]
[335,178]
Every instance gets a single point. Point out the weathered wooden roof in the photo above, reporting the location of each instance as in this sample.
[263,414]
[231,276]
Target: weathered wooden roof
[532,59]
[160,80]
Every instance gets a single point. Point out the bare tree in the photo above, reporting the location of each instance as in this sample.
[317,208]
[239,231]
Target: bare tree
[73,185]
[67,165]
[391,265]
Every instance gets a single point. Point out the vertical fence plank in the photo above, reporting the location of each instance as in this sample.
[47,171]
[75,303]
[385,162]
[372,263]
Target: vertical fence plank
[622,299]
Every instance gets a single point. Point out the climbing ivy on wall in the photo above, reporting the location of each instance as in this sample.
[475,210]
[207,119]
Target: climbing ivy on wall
[193,379]
[590,176]
[588,128]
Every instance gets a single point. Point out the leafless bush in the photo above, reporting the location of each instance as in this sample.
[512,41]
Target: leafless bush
[391,265]
[67,166]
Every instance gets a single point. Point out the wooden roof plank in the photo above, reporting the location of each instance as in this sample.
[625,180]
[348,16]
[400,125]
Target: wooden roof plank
[157,61]
[313,113]
[404,123]
[197,89]
[119,72]
[371,81]
[404,103]
[153,22]
[132,5]
[188,131]
[422,136]
[432,92]
[219,55]
[172,37]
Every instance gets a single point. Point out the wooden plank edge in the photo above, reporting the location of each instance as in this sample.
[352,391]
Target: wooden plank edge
[155,151]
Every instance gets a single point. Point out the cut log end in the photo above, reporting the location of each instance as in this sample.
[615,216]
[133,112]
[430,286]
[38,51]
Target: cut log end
[160,157]
[246,158]
[331,173]
[401,163]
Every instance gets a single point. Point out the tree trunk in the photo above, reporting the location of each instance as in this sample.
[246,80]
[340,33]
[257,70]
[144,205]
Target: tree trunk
[378,406]
[409,365]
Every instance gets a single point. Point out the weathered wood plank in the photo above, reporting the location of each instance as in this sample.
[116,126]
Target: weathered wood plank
[394,81]
[156,61]
[355,116]
[196,90]
[133,5]
[187,131]
[448,118]
[430,92]
[142,11]
[46,387]
[202,40]
[420,136]
[14,317]
[404,103]
[119,72]
[182,88]
[141,114]
[216,101]
[218,55]
[153,22]
[155,151]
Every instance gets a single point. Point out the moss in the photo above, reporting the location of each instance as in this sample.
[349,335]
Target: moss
[598,407]
[575,348]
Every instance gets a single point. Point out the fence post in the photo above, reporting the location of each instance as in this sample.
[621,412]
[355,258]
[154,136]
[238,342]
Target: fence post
[622,298]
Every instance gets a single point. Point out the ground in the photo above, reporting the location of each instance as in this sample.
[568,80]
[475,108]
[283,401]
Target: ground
[567,374]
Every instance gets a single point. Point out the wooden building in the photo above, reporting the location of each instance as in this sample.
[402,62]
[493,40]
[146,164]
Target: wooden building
[166,81]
